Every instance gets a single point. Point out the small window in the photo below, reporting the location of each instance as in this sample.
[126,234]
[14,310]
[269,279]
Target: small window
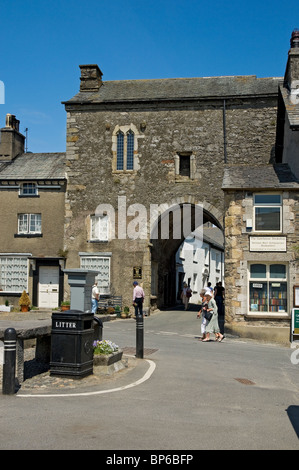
[28,189]
[267,212]
[185,165]
[99,228]
[29,223]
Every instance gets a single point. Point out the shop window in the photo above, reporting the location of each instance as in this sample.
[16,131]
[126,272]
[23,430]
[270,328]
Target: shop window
[268,288]
[267,213]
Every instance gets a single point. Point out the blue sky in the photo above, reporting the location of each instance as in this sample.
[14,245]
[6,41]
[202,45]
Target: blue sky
[43,42]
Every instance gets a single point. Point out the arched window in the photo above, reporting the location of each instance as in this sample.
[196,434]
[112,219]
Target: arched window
[130,150]
[120,151]
[124,148]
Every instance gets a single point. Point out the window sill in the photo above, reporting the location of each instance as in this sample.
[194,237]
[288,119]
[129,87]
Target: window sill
[267,316]
[28,235]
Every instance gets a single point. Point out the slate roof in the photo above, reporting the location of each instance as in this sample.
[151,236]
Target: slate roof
[179,88]
[34,166]
[278,176]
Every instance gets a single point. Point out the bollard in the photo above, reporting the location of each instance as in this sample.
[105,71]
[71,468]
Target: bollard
[9,366]
[98,329]
[139,336]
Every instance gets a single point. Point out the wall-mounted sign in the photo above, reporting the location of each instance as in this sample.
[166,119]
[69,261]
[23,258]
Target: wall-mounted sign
[137,272]
[296,296]
[295,323]
[268,244]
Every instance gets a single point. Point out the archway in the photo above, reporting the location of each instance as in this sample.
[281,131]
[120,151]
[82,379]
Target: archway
[172,226]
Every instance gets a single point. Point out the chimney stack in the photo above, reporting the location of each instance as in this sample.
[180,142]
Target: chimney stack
[91,78]
[291,76]
[12,142]
[295,39]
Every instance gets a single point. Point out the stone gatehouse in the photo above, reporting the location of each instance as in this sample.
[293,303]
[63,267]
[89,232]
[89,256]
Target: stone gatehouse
[148,143]
[149,161]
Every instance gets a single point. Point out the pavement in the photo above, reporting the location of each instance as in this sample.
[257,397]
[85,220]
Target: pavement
[184,394]
[37,378]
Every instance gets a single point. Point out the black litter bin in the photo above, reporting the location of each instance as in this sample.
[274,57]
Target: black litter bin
[72,344]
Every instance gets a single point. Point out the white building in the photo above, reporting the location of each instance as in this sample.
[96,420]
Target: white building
[199,262]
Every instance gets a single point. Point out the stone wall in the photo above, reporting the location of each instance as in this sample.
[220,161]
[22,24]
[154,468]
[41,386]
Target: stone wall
[239,206]
[162,131]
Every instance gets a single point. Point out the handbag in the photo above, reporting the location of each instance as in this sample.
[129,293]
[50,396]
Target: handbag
[208,315]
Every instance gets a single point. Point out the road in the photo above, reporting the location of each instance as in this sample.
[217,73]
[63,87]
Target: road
[236,394]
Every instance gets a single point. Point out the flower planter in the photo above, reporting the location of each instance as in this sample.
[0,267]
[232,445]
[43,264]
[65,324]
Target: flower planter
[107,359]
[63,308]
[24,308]
[5,308]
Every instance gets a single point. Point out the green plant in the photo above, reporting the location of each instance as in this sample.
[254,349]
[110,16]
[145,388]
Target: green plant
[104,347]
[127,310]
[6,303]
[65,302]
[24,299]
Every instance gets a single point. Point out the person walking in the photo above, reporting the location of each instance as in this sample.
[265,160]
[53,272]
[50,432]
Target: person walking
[95,297]
[138,298]
[212,326]
[200,314]
[186,294]
[219,297]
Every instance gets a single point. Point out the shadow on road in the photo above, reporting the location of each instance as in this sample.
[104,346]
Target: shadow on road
[293,414]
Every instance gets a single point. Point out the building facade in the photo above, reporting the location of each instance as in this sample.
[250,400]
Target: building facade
[147,163]
[200,261]
[262,226]
[140,148]
[32,199]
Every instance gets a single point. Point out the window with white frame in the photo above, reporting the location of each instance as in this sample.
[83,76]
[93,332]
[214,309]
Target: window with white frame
[28,189]
[268,288]
[267,212]
[100,263]
[13,273]
[29,223]
[99,227]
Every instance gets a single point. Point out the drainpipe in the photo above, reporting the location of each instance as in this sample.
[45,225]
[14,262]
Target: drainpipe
[224,131]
